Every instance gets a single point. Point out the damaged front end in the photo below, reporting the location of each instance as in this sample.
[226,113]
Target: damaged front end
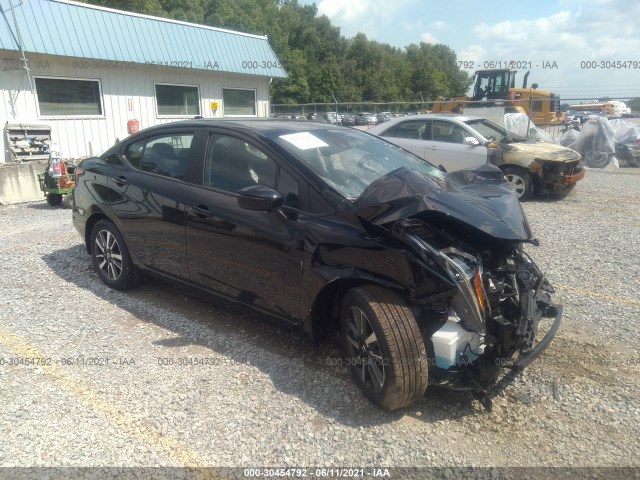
[489,319]
[491,297]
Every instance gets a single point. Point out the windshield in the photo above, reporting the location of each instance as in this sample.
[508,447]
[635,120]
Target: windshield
[493,132]
[349,160]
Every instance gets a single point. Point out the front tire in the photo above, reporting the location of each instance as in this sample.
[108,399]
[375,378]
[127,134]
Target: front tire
[384,346]
[111,257]
[520,182]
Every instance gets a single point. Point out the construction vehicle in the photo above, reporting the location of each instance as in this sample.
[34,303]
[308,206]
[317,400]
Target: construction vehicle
[496,88]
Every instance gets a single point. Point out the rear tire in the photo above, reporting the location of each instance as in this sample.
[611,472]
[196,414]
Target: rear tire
[54,199]
[384,346]
[520,182]
[111,257]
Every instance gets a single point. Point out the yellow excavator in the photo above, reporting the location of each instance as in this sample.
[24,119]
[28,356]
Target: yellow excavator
[496,87]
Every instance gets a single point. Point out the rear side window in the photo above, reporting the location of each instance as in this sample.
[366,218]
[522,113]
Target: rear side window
[165,155]
[414,129]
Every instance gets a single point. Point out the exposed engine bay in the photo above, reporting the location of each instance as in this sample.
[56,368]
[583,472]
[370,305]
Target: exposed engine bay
[488,317]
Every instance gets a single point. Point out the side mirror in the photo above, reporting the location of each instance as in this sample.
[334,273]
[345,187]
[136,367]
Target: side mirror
[259,197]
[471,141]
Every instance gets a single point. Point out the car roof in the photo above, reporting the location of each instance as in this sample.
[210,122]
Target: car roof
[258,125]
[456,117]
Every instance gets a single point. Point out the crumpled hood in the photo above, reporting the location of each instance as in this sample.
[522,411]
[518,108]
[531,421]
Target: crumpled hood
[543,150]
[478,197]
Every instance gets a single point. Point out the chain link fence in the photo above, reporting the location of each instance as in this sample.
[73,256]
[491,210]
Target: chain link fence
[544,113]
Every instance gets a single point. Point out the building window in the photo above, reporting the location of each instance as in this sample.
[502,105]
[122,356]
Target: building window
[239,102]
[68,97]
[177,100]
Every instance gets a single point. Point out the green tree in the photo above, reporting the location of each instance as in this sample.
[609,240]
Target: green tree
[634,104]
[320,62]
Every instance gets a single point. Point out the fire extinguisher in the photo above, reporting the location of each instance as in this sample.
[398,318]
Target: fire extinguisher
[54,160]
[133,126]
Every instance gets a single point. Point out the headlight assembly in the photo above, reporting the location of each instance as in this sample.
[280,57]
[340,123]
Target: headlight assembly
[469,302]
[465,270]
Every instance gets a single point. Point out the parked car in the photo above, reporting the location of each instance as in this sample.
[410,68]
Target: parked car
[348,120]
[325,228]
[458,141]
[383,116]
[364,118]
[332,117]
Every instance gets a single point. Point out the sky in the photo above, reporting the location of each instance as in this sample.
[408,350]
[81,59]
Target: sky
[576,48]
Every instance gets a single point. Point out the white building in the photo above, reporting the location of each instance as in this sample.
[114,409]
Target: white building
[91,73]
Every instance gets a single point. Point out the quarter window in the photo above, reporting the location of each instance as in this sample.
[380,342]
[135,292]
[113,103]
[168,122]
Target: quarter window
[68,97]
[165,155]
[239,102]
[177,100]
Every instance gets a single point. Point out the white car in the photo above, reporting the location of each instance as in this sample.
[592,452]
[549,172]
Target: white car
[459,142]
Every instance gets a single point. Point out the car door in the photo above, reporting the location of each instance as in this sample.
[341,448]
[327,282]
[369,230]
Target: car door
[148,193]
[254,257]
[409,135]
[445,145]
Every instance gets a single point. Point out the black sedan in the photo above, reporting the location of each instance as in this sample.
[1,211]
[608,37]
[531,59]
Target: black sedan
[325,227]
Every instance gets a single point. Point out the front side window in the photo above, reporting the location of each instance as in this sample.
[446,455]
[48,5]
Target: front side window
[165,155]
[239,102]
[177,100]
[443,131]
[232,164]
[493,132]
[68,97]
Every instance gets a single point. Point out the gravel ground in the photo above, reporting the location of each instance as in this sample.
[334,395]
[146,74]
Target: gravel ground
[108,388]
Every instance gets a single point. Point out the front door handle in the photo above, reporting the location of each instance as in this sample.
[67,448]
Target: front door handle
[120,180]
[200,211]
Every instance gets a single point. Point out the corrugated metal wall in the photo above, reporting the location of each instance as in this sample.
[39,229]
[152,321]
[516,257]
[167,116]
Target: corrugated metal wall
[79,137]
[72,29]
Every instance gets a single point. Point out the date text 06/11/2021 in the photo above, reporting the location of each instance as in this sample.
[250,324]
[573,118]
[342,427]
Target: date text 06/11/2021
[316,472]
[507,64]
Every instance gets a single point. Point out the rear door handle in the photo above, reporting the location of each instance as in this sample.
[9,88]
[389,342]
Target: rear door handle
[431,147]
[201,211]
[120,180]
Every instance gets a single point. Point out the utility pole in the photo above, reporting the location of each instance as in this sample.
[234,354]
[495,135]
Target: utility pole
[334,99]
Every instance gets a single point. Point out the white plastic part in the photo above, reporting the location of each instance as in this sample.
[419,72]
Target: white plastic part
[451,341]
